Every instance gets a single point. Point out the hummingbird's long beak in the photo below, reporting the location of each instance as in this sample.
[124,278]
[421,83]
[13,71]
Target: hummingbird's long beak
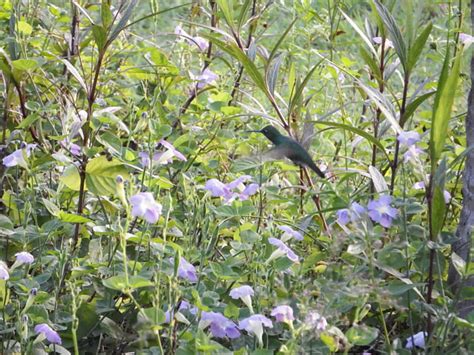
[253,131]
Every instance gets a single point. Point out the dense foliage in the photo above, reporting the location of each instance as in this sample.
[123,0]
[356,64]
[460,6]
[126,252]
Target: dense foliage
[140,214]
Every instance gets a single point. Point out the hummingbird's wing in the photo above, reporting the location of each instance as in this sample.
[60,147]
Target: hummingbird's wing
[307,134]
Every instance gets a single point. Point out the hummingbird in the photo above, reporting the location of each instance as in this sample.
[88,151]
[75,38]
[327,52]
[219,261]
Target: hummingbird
[288,147]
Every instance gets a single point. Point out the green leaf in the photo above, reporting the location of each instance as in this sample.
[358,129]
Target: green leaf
[280,41]
[458,263]
[329,340]
[412,106]
[235,211]
[101,174]
[106,14]
[251,69]
[24,64]
[71,178]
[362,335]
[123,21]
[360,33]
[75,73]
[72,218]
[299,89]
[357,131]
[28,121]
[417,47]
[243,10]
[51,207]
[24,28]
[155,315]
[394,32]
[377,178]
[119,282]
[383,104]
[438,208]
[227,12]
[444,100]
[370,61]
[100,36]
[272,74]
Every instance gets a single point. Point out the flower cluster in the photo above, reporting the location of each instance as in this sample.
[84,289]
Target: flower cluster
[186,270]
[233,190]
[220,325]
[379,211]
[409,139]
[145,206]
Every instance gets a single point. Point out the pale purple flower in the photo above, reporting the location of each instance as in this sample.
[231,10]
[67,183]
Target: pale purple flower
[24,257]
[239,181]
[220,325]
[179,316]
[206,77]
[179,31]
[187,270]
[421,185]
[447,196]
[218,189]
[417,340]
[408,138]
[245,293]
[75,149]
[144,159]
[202,43]
[378,40]
[283,250]
[352,214]
[343,216]
[412,153]
[171,148]
[380,211]
[466,39]
[249,190]
[290,233]
[18,156]
[50,334]
[4,275]
[254,325]
[283,314]
[315,320]
[145,206]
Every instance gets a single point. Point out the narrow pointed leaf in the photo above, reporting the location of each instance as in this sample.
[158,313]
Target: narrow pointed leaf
[357,131]
[72,69]
[412,106]
[272,73]
[243,11]
[123,21]
[394,32]
[227,12]
[361,33]
[280,41]
[444,100]
[417,47]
